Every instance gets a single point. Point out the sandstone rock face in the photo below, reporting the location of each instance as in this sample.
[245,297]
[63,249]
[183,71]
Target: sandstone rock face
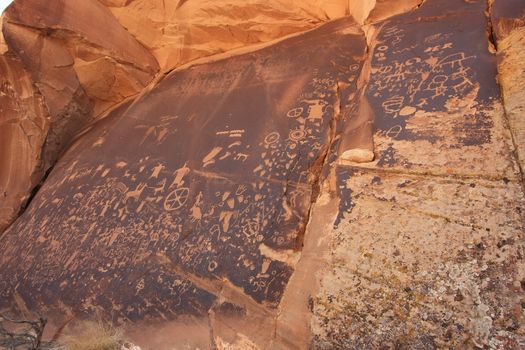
[177,32]
[24,122]
[355,186]
[75,70]
[180,31]
[509,22]
[84,67]
[206,227]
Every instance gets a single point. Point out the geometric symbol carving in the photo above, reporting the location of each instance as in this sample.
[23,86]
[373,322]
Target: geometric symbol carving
[176,199]
[271,138]
[297,135]
[294,113]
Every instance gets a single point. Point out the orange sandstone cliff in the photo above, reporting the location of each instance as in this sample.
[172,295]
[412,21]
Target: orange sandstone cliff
[266,174]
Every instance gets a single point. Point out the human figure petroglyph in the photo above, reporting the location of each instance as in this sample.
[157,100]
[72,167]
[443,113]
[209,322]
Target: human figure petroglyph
[156,170]
[195,211]
[179,175]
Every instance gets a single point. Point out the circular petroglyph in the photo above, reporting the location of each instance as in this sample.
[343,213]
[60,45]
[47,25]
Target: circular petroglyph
[295,112]
[122,188]
[297,135]
[176,199]
[354,67]
[212,266]
[272,138]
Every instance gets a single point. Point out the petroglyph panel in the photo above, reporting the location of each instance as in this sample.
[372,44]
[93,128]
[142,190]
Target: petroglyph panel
[203,185]
[434,94]
[426,250]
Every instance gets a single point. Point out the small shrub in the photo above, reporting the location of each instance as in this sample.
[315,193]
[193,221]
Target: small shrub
[93,335]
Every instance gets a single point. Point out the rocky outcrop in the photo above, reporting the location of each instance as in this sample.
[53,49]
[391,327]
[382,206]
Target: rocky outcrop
[82,70]
[427,246]
[281,196]
[67,71]
[24,122]
[509,28]
[215,223]
[84,67]
[177,32]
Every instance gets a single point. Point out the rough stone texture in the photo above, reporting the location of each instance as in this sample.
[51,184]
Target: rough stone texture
[23,125]
[75,69]
[506,15]
[427,249]
[226,206]
[84,66]
[177,32]
[162,224]
[180,31]
[509,19]
[423,262]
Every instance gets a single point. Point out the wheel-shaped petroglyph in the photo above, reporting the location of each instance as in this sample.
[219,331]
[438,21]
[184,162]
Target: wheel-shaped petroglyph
[272,138]
[176,199]
[295,112]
